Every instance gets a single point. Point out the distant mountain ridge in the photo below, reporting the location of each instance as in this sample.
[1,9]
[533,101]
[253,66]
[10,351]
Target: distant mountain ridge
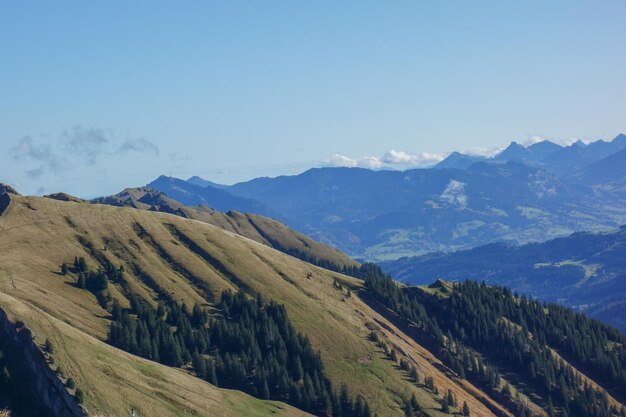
[586,271]
[253,226]
[606,176]
[196,180]
[191,194]
[457,160]
[378,215]
[561,160]
[522,194]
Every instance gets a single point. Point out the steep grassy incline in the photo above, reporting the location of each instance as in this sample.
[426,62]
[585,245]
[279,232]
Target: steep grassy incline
[165,255]
[253,226]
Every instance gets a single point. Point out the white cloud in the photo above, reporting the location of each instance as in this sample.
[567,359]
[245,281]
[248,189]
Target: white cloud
[370,162]
[337,160]
[485,152]
[395,157]
[392,158]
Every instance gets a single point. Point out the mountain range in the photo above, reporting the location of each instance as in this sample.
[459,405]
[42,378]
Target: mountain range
[107,307]
[586,271]
[521,195]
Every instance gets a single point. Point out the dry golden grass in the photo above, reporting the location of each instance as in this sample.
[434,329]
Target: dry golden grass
[5,413]
[258,228]
[37,235]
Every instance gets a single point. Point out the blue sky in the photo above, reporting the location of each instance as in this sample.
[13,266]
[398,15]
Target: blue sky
[97,96]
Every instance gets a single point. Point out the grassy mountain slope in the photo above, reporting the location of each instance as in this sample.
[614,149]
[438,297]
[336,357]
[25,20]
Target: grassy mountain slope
[193,262]
[584,271]
[253,226]
[115,381]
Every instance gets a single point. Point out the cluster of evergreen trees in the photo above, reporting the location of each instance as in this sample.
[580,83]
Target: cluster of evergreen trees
[97,282]
[251,347]
[476,326]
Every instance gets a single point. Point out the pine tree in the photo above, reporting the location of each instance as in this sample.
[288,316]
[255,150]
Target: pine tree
[80,396]
[344,400]
[199,365]
[81,281]
[450,398]
[466,409]
[506,391]
[408,409]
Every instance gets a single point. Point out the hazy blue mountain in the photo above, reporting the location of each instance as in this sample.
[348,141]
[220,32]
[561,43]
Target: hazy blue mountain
[578,156]
[519,196]
[458,160]
[201,182]
[218,199]
[513,152]
[609,169]
[533,154]
[541,150]
[387,214]
[584,270]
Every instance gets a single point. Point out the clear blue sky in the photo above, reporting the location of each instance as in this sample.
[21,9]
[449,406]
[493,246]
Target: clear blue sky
[96,96]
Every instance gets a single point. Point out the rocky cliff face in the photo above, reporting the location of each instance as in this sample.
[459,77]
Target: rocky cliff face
[5,200]
[46,394]
[7,189]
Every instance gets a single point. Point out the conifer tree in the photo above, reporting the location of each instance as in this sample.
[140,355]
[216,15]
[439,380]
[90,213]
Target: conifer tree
[466,409]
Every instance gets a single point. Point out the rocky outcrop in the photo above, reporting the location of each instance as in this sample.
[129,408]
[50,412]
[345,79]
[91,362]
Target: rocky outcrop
[7,189]
[47,396]
[5,200]
[64,197]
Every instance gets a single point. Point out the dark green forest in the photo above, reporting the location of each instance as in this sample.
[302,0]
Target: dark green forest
[483,331]
[247,344]
[584,271]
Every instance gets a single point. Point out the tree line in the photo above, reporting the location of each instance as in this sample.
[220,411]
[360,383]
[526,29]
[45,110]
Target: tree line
[478,329]
[245,343]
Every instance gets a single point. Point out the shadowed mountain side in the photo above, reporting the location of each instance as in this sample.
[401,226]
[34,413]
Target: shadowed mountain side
[585,271]
[193,195]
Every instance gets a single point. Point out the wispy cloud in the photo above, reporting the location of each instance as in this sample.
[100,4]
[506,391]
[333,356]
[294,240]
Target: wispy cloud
[28,150]
[74,147]
[89,143]
[138,145]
